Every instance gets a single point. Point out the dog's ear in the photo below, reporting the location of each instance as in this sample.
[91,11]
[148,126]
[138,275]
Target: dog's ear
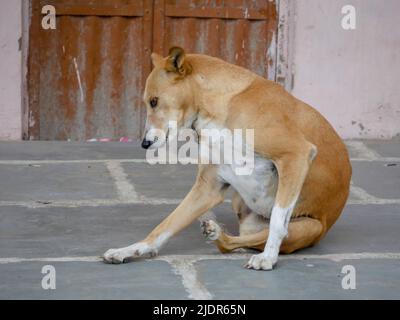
[177,63]
[157,60]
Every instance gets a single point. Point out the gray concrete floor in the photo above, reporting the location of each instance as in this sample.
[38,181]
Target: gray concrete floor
[64,204]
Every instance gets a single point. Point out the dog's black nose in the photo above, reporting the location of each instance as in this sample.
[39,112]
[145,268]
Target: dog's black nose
[146,143]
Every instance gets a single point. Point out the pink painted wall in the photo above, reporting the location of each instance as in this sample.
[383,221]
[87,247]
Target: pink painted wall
[10,66]
[352,77]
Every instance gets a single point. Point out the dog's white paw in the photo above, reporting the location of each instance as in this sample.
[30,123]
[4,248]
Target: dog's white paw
[211,230]
[123,255]
[261,262]
[116,256]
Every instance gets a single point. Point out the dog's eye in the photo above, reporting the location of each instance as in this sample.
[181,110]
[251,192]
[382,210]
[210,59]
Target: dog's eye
[153,102]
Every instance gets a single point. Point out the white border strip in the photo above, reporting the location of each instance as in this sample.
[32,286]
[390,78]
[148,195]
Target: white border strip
[126,190]
[186,269]
[145,201]
[233,256]
[38,162]
[144,161]
[89,203]
[362,150]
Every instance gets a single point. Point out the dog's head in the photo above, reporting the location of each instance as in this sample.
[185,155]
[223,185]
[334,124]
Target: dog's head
[168,97]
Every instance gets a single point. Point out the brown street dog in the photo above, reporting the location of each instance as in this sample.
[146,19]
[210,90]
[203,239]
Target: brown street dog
[301,178]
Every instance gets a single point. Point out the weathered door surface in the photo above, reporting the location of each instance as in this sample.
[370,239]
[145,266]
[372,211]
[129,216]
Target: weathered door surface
[86,78]
[239,31]
[90,71]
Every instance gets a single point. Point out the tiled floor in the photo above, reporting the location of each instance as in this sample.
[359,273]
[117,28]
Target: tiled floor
[63,204]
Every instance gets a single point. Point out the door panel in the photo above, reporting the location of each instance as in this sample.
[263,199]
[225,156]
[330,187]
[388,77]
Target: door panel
[239,31]
[92,70]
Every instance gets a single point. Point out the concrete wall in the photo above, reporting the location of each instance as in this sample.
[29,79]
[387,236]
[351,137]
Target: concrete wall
[352,77]
[10,66]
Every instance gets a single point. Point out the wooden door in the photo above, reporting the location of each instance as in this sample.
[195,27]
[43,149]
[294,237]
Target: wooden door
[239,31]
[86,78]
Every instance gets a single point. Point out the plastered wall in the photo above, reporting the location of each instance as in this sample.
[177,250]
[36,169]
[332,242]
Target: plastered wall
[352,77]
[10,70]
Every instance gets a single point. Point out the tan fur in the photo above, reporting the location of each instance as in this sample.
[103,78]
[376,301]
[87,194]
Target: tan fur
[311,160]
[302,232]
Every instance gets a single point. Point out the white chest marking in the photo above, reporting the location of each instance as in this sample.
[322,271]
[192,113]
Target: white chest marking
[258,189]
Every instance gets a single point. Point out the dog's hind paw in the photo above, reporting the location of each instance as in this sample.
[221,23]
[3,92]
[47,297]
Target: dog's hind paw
[211,230]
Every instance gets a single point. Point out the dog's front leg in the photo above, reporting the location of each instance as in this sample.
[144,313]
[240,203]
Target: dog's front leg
[292,171]
[206,193]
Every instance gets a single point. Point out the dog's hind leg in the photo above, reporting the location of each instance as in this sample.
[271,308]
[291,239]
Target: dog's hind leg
[226,243]
[250,223]
[302,232]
